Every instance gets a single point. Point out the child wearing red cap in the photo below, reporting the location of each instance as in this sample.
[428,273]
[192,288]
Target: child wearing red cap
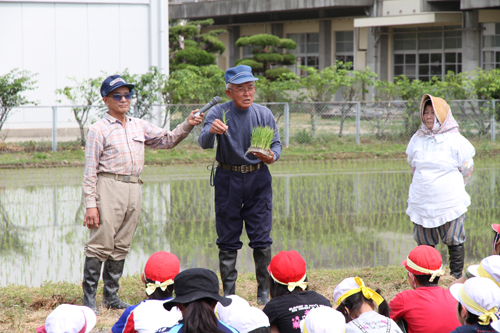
[149,315]
[427,307]
[290,300]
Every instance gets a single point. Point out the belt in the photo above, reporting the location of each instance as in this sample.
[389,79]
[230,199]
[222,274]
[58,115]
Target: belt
[241,168]
[121,178]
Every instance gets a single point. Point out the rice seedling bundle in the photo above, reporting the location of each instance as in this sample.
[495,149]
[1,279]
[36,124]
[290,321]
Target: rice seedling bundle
[262,137]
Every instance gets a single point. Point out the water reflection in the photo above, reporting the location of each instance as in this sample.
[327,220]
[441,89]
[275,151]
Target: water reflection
[336,214]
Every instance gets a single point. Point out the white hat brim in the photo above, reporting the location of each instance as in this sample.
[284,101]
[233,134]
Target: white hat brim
[473,270]
[90,317]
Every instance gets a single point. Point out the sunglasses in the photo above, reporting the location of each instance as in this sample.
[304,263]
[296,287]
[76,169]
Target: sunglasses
[118,97]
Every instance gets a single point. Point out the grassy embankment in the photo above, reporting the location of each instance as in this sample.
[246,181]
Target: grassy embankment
[71,154]
[22,309]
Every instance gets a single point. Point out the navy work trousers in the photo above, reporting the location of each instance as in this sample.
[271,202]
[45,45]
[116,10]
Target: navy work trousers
[243,197]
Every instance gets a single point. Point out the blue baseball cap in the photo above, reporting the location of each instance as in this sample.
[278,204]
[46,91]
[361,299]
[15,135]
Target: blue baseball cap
[112,82]
[239,74]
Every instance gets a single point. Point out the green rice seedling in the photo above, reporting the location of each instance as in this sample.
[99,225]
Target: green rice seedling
[262,137]
[225,119]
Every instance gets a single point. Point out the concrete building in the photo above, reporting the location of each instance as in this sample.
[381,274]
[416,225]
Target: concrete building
[418,38]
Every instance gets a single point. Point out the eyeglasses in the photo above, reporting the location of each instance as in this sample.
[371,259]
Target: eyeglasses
[243,90]
[118,97]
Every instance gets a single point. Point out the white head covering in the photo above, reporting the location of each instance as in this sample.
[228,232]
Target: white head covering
[480,296]
[488,268]
[68,318]
[495,325]
[323,319]
[240,315]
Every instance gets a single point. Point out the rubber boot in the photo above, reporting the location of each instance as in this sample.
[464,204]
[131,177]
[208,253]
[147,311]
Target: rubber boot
[112,272]
[262,259]
[91,275]
[228,272]
[457,258]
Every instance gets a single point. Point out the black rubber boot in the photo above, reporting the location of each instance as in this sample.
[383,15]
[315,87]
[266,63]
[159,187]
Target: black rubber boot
[91,275]
[262,259]
[228,272]
[457,258]
[112,272]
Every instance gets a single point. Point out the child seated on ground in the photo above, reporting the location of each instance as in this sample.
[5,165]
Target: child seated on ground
[68,318]
[488,268]
[357,303]
[243,317]
[478,301]
[427,307]
[323,320]
[196,295]
[290,298]
[471,270]
[149,315]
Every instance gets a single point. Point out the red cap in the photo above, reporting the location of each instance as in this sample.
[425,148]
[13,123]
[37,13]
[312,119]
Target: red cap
[496,227]
[426,257]
[162,266]
[287,266]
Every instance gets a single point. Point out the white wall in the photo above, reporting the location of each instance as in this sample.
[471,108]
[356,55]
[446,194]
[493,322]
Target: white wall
[60,39]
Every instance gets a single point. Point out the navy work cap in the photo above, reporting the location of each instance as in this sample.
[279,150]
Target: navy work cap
[239,74]
[112,82]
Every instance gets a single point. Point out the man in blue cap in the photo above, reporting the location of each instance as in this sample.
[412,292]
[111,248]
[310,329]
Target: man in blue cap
[243,184]
[114,159]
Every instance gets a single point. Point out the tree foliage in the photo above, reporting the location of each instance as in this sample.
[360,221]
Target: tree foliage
[13,85]
[147,87]
[267,51]
[188,46]
[84,95]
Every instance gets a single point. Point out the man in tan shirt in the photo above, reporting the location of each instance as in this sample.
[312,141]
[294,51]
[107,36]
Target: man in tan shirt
[114,159]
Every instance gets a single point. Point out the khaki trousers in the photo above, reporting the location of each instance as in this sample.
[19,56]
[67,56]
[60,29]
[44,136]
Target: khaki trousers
[119,205]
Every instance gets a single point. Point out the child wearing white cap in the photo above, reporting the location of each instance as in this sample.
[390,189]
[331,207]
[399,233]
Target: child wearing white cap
[478,301]
[357,303]
[68,318]
[488,268]
[323,320]
[240,315]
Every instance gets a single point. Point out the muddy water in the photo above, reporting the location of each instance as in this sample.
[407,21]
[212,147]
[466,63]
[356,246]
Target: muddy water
[336,214]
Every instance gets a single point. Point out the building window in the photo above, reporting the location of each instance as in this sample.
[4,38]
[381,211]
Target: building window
[422,53]
[491,46]
[344,46]
[307,51]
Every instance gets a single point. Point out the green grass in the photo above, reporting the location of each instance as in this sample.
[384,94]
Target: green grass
[22,308]
[331,147]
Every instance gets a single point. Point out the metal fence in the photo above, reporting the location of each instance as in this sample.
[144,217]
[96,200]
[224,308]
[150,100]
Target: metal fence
[300,123]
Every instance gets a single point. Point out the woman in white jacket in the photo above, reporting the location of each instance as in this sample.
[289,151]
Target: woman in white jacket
[441,161]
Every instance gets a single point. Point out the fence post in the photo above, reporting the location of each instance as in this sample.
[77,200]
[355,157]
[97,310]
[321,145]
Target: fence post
[54,129]
[492,120]
[287,124]
[358,117]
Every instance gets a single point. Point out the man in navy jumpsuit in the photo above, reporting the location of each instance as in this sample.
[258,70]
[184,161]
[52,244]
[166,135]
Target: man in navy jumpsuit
[243,184]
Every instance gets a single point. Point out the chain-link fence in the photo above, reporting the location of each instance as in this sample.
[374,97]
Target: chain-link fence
[299,123]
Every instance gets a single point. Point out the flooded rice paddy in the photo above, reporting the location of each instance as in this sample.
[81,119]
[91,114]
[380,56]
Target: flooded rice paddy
[337,214]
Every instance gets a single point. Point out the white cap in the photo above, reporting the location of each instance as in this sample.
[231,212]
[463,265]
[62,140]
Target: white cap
[68,318]
[343,287]
[224,312]
[482,291]
[489,267]
[323,319]
[495,325]
[240,315]
[248,320]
